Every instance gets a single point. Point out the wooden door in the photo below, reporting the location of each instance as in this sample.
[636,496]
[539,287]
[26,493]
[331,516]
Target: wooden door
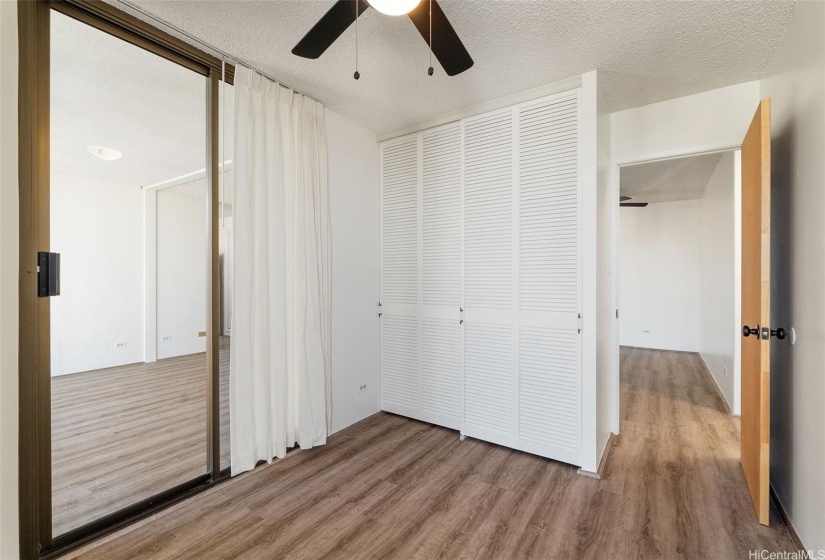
[756,290]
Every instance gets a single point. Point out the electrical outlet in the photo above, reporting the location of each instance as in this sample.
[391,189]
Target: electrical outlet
[120,344]
[362,387]
[166,338]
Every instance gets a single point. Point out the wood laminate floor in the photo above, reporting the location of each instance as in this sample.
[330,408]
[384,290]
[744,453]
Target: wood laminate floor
[123,434]
[391,487]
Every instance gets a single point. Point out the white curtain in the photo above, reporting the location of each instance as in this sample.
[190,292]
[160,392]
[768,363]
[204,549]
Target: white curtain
[280,344]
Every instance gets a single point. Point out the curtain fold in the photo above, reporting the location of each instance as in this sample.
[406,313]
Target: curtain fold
[280,344]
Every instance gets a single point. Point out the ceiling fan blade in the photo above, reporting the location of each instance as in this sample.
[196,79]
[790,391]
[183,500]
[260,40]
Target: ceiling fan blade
[447,47]
[633,204]
[331,26]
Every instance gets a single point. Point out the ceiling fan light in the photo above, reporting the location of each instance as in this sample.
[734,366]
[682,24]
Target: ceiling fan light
[394,7]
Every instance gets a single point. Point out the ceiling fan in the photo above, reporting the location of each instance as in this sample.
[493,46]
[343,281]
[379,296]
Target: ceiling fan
[427,16]
[623,201]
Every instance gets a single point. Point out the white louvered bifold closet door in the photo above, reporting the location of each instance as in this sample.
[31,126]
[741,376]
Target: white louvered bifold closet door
[421,275]
[549,288]
[400,279]
[481,276]
[490,388]
[441,273]
[522,381]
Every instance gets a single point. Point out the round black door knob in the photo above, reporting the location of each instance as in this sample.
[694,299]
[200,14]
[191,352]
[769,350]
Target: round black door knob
[747,331]
[779,333]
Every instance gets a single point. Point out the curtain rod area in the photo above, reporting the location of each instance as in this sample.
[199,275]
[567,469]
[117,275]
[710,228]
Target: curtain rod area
[174,30]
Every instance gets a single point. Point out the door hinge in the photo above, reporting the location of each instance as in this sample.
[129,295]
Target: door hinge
[579,323]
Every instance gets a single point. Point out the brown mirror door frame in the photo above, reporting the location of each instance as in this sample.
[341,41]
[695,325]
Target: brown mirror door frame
[36,539]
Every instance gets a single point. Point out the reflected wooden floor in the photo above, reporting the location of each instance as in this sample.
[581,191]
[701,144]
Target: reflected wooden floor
[122,434]
[391,487]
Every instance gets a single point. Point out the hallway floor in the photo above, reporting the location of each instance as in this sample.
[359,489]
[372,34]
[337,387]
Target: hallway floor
[390,487]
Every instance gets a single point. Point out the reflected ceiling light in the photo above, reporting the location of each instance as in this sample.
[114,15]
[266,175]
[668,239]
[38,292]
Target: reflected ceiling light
[394,7]
[102,152]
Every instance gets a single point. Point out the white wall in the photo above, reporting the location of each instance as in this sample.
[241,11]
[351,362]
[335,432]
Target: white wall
[588,165]
[718,332]
[9,255]
[795,82]
[181,273]
[353,185]
[659,287]
[604,303]
[97,227]
[711,119]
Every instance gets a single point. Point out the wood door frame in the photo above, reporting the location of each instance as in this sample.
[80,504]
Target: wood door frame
[34,447]
[615,304]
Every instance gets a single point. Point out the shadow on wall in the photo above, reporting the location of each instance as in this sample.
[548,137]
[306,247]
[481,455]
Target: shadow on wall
[782,164]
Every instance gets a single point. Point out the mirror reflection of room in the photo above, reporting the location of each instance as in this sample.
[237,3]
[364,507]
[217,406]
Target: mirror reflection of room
[128,217]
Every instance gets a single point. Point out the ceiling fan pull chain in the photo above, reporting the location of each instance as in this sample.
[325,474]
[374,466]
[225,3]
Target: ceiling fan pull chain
[357,74]
[430,69]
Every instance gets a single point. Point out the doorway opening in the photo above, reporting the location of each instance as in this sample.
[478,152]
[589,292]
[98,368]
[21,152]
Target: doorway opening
[679,264]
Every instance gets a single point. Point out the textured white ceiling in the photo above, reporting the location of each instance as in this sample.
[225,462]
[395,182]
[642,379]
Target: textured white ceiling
[647,51]
[667,180]
[107,92]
